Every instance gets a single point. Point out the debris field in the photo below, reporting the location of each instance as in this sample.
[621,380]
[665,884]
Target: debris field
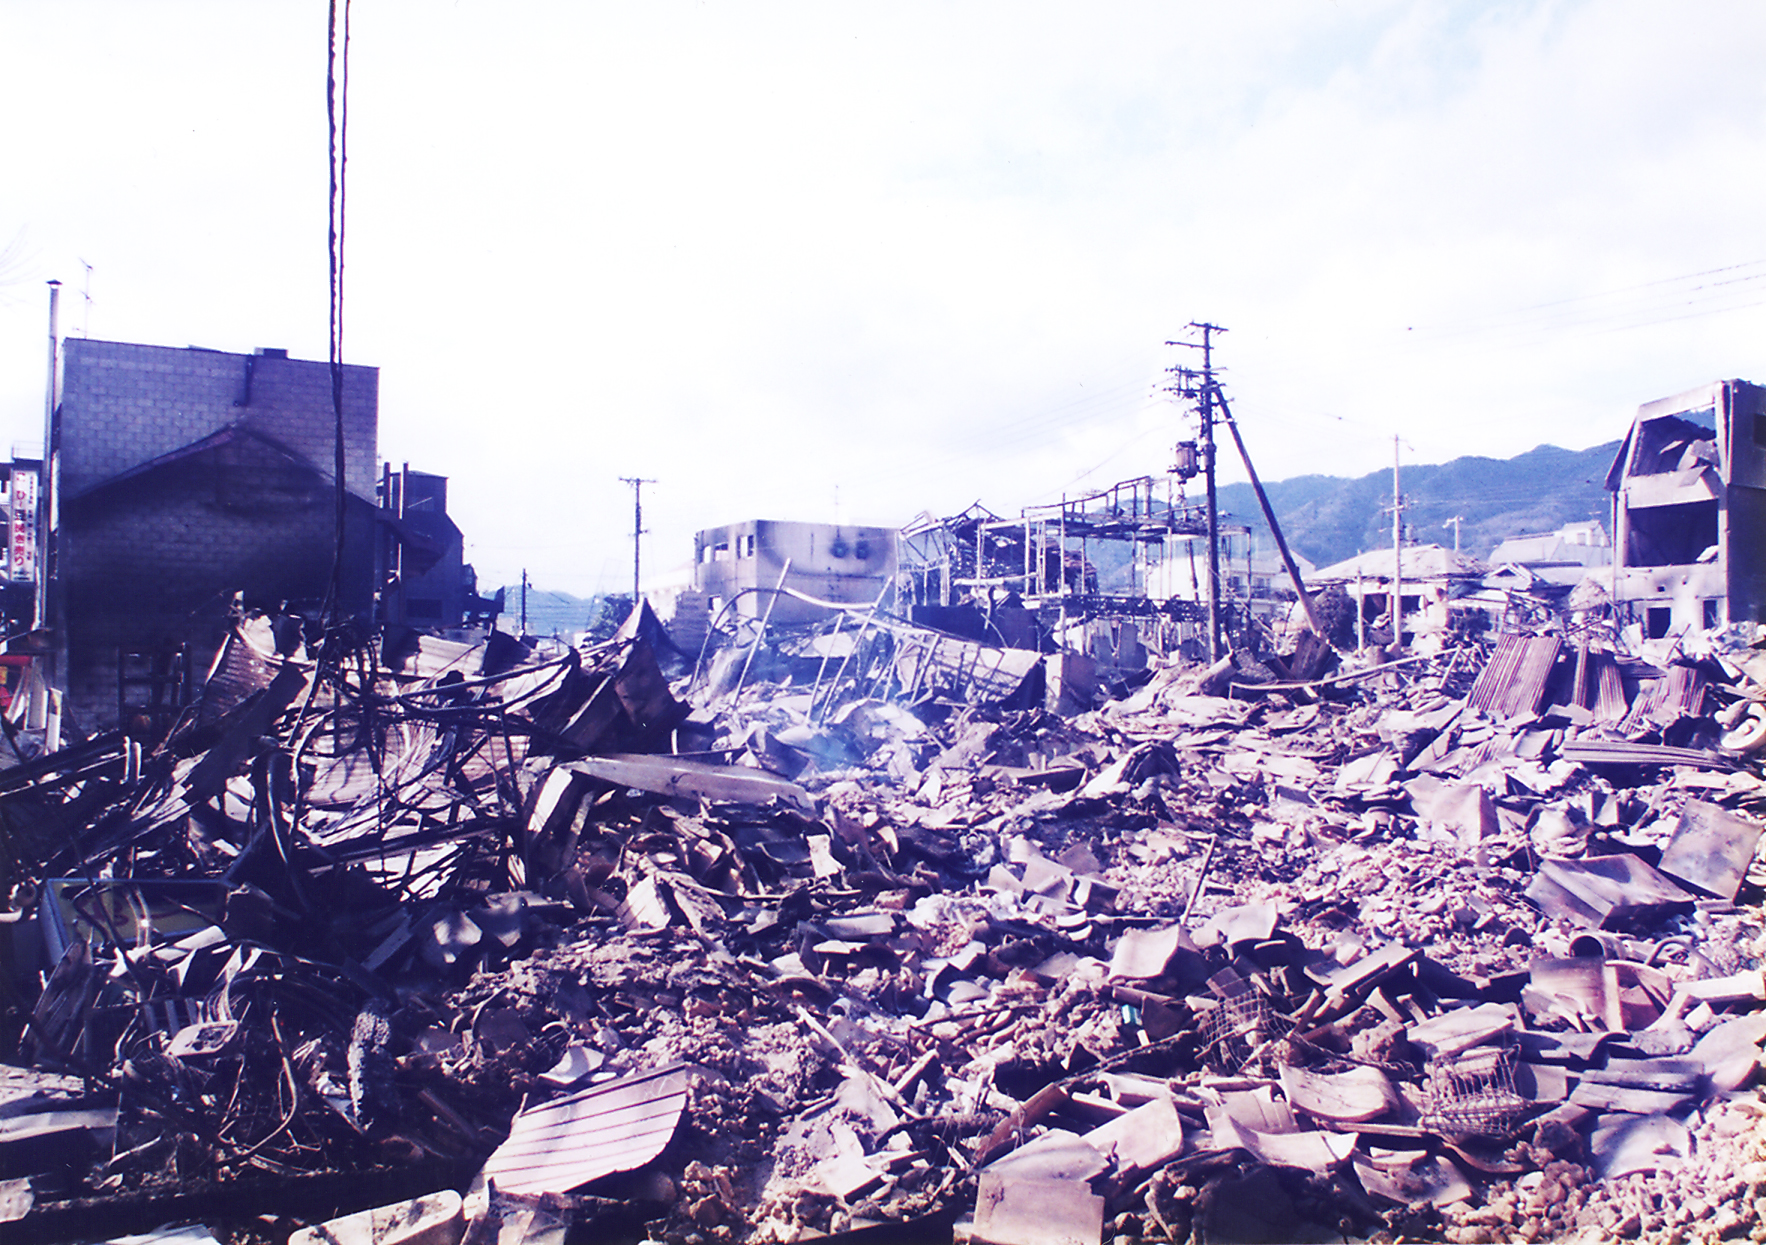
[900,938]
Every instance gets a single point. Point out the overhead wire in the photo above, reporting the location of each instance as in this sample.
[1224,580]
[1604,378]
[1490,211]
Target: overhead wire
[337,147]
[1712,291]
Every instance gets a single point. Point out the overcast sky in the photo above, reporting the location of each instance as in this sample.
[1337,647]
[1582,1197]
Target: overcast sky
[850,262]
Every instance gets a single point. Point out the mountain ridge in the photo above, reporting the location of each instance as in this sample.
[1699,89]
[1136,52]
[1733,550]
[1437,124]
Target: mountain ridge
[1330,518]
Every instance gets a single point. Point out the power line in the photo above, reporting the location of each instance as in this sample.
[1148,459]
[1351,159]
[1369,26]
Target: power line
[1714,291]
[337,147]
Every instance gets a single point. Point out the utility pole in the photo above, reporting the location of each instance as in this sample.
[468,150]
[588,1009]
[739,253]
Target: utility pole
[1454,523]
[1397,554]
[1186,387]
[637,529]
[524,601]
[1275,528]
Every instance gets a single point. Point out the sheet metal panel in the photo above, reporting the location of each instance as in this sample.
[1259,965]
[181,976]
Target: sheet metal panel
[1513,681]
[608,1128]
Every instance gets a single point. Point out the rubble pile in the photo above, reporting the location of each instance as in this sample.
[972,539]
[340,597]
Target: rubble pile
[439,942]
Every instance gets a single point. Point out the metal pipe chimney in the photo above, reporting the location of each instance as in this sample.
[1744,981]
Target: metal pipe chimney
[46,482]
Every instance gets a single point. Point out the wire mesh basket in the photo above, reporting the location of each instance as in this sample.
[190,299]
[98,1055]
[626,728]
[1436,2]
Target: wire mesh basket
[1241,1029]
[1472,1093]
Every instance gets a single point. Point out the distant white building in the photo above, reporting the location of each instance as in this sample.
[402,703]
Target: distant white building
[772,565]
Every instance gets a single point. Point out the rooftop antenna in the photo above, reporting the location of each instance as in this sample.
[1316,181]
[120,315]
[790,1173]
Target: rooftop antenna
[86,310]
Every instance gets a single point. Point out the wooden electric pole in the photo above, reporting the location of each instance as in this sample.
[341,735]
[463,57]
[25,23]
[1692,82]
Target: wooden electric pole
[1205,392]
[1397,554]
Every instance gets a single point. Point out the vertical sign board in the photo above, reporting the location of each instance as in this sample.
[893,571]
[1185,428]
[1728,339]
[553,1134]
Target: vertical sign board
[23,549]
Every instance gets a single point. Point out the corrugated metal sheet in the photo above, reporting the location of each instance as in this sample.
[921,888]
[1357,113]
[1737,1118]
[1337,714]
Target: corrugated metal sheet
[1679,693]
[1610,704]
[615,1127]
[1513,681]
[1619,752]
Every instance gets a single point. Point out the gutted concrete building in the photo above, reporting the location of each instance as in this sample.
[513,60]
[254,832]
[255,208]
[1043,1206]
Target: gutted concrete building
[741,564]
[1689,511]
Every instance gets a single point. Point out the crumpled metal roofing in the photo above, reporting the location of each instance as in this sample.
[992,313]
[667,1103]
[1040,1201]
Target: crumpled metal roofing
[613,1127]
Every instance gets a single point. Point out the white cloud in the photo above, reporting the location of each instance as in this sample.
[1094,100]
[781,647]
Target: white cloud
[919,254]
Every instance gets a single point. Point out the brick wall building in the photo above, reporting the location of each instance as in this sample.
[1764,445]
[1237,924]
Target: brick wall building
[187,476]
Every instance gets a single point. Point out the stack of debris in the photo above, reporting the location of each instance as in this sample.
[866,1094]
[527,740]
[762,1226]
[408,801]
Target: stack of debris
[451,943]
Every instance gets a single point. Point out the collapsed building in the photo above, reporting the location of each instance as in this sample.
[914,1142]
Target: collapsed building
[1110,574]
[904,917]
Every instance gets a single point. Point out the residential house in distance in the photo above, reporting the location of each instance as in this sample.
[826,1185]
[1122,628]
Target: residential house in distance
[1689,511]
[1532,576]
[1564,556]
[1434,583]
[741,563]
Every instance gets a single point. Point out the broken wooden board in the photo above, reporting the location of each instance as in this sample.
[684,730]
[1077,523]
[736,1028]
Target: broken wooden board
[434,1219]
[1711,849]
[1608,892]
[1462,1028]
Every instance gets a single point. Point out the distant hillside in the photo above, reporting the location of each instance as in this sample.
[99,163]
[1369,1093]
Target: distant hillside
[548,613]
[1328,518]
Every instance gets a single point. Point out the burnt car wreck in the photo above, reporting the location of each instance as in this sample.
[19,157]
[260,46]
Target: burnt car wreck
[948,890]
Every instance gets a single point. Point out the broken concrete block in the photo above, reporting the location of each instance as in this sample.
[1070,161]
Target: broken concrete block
[1730,1052]
[434,1219]
[1413,1179]
[847,1175]
[16,1199]
[1036,1211]
[1142,954]
[1622,1145]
